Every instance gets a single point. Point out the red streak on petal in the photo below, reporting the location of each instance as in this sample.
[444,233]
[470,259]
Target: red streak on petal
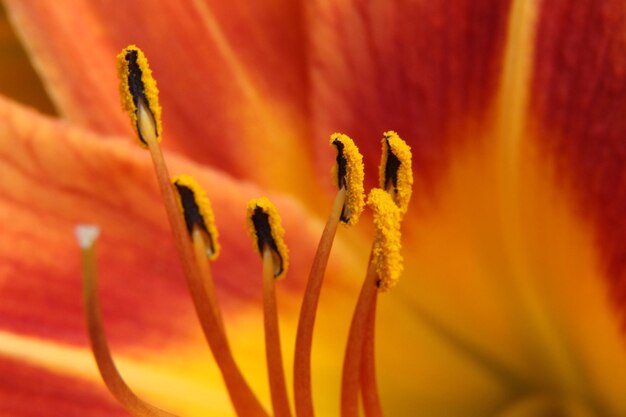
[30,391]
[579,96]
[415,67]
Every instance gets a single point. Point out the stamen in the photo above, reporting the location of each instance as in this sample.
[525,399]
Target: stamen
[243,399]
[266,230]
[383,272]
[202,261]
[386,250]
[354,349]
[349,173]
[273,353]
[197,211]
[139,93]
[396,175]
[369,387]
[86,236]
[304,338]
[200,221]
[267,234]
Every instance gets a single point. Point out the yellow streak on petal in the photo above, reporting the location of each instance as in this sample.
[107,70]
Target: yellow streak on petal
[504,260]
[511,133]
[181,395]
[214,29]
[281,126]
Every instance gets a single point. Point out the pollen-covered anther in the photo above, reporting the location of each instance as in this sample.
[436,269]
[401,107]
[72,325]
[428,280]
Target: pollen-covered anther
[139,94]
[396,174]
[197,212]
[349,174]
[266,231]
[386,250]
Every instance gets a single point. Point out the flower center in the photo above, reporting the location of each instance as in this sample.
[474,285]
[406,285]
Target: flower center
[546,406]
[193,225]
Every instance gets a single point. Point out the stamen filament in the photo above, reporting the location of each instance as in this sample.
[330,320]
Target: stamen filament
[278,388]
[199,246]
[304,338]
[111,376]
[244,401]
[369,388]
[354,349]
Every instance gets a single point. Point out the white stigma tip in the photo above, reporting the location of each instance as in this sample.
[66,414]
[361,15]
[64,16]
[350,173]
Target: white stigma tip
[86,235]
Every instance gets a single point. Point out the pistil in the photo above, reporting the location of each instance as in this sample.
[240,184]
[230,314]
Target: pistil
[87,236]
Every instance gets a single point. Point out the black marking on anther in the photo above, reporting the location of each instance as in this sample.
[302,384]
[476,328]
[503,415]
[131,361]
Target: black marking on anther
[136,87]
[261,221]
[341,174]
[391,168]
[192,215]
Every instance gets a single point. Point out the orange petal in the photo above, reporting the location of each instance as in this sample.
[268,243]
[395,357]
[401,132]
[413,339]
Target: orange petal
[55,177]
[232,81]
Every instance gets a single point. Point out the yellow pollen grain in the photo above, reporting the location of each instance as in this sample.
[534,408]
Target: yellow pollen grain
[277,231]
[401,193]
[353,179]
[386,251]
[131,100]
[204,208]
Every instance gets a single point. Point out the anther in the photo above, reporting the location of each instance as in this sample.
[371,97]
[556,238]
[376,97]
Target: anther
[197,212]
[139,94]
[396,175]
[386,250]
[349,174]
[265,228]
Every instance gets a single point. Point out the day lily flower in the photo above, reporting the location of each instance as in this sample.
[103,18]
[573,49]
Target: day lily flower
[511,299]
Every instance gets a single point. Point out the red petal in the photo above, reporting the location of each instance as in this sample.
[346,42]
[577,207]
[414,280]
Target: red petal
[420,68]
[579,97]
[232,79]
